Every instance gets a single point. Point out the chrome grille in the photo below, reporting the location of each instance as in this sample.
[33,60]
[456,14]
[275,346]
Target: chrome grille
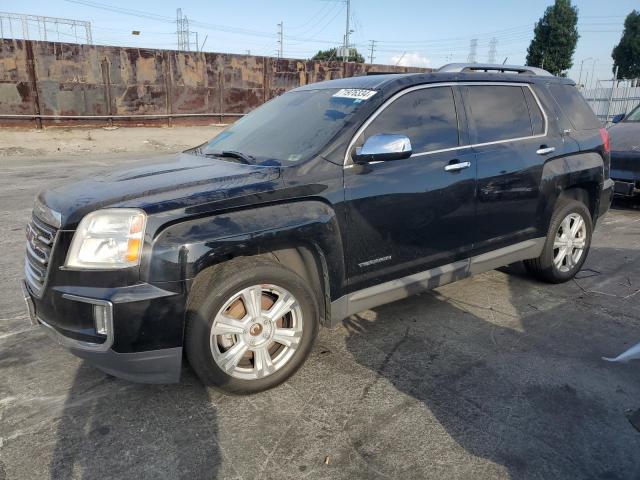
[41,239]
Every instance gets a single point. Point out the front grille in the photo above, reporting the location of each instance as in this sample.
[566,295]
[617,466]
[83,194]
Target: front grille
[41,239]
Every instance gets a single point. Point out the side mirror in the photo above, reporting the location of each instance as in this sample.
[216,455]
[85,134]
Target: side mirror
[617,118]
[383,147]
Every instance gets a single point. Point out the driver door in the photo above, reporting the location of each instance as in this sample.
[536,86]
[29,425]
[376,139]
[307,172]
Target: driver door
[413,214]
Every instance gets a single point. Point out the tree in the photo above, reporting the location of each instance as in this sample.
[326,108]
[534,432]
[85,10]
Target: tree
[332,54]
[554,38]
[626,55]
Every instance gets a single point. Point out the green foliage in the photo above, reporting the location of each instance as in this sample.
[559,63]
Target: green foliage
[332,54]
[554,38]
[626,55]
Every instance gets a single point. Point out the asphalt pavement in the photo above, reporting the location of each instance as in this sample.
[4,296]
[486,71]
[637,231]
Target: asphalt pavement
[495,376]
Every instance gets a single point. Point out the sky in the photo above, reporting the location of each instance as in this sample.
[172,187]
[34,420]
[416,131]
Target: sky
[406,32]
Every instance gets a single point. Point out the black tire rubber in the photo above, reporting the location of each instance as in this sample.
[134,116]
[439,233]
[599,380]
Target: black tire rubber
[209,293]
[543,267]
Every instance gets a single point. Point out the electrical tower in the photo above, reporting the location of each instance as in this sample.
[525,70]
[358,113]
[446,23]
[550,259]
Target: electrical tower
[373,46]
[182,31]
[48,28]
[280,39]
[493,50]
[473,50]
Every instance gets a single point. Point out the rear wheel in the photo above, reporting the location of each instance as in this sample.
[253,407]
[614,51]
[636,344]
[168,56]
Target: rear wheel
[251,325]
[567,243]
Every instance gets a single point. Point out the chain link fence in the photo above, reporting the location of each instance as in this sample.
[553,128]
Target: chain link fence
[607,102]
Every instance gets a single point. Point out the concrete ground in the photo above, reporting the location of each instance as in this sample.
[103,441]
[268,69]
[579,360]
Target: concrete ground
[67,142]
[496,376]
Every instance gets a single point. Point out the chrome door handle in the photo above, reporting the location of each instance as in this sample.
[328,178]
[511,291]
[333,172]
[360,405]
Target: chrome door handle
[454,167]
[545,150]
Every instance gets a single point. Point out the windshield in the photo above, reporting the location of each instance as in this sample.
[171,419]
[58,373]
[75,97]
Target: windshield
[634,116]
[291,128]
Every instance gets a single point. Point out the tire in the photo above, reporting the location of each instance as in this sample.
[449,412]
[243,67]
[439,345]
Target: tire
[566,214]
[233,357]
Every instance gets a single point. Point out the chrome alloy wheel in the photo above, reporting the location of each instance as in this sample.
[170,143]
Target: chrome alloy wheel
[570,242]
[256,332]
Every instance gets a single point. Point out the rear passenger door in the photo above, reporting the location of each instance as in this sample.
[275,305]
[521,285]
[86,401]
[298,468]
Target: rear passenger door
[508,132]
[410,215]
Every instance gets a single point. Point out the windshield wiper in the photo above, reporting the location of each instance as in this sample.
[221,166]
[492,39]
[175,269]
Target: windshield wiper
[243,157]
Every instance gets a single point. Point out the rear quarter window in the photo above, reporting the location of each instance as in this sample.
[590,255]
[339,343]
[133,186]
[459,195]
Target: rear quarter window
[574,106]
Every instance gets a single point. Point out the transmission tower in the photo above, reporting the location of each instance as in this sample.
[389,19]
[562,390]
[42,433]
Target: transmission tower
[182,31]
[473,50]
[493,50]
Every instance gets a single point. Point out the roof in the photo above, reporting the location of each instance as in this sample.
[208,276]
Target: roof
[390,83]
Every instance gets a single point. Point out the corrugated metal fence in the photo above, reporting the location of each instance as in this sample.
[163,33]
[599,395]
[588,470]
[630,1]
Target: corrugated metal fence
[48,83]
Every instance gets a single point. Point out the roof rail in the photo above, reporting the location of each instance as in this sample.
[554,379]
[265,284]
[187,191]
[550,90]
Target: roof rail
[493,67]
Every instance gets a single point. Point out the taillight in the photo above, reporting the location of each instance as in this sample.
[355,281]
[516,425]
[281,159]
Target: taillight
[604,135]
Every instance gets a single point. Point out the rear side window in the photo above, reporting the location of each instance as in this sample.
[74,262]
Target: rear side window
[498,113]
[427,116]
[574,106]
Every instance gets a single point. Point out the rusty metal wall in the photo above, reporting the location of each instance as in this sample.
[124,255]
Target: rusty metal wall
[52,83]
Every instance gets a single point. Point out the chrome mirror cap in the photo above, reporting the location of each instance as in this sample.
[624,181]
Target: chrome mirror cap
[383,147]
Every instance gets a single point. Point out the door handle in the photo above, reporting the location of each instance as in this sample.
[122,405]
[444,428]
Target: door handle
[454,167]
[544,150]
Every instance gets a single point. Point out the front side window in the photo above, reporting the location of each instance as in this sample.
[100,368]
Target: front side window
[498,112]
[427,116]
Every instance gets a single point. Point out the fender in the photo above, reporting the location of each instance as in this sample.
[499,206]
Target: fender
[584,170]
[183,250]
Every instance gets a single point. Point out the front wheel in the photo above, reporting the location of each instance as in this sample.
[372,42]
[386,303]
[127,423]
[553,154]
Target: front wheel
[567,243]
[251,324]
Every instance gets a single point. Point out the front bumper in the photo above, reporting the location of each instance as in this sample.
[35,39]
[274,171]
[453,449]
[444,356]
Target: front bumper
[161,365]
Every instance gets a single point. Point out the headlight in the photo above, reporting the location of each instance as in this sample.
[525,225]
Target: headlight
[108,239]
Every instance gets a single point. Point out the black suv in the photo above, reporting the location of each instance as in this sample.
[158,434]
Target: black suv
[333,198]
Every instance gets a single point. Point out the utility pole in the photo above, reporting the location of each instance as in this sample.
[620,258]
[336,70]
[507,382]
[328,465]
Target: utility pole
[613,85]
[345,53]
[373,46]
[593,70]
[581,65]
[280,39]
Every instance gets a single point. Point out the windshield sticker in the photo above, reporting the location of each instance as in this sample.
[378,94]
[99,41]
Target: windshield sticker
[355,93]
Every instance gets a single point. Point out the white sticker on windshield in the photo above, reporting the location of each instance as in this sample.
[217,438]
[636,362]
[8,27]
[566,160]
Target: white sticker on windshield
[357,93]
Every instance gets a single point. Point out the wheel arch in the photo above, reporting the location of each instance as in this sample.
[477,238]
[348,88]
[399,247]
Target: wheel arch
[304,237]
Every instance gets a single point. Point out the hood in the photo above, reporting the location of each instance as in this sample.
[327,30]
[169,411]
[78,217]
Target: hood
[625,137]
[160,184]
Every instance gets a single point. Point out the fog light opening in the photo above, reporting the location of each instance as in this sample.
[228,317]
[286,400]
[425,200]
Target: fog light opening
[100,317]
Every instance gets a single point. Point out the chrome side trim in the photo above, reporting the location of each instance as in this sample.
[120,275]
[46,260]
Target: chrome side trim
[506,255]
[348,161]
[404,287]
